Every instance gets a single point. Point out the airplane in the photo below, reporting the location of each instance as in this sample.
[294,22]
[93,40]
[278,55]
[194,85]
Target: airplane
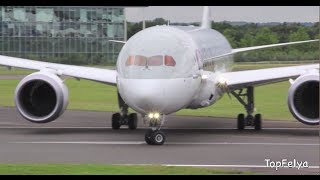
[163,69]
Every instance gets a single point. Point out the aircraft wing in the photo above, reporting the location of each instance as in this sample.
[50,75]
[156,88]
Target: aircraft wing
[238,50]
[89,73]
[242,79]
[269,46]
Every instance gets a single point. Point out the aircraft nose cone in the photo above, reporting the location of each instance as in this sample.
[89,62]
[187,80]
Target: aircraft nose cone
[164,96]
[150,102]
[148,98]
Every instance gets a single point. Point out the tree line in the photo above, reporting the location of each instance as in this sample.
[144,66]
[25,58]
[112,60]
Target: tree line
[255,34]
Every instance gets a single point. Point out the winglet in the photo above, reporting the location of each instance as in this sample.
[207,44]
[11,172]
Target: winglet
[206,22]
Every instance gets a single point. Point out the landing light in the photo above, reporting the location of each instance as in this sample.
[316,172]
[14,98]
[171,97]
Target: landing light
[222,81]
[154,115]
[150,115]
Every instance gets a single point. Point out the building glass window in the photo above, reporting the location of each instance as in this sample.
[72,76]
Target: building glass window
[77,35]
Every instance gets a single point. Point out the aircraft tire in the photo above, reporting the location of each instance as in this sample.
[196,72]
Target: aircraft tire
[116,121]
[133,121]
[240,122]
[257,122]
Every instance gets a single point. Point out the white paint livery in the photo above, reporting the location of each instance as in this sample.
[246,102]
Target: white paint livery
[163,69]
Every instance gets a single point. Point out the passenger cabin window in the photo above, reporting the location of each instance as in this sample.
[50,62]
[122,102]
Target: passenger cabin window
[150,61]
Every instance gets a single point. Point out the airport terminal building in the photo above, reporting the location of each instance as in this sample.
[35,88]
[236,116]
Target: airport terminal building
[71,35]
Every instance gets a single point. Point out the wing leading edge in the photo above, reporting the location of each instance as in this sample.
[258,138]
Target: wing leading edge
[238,50]
[242,79]
[89,73]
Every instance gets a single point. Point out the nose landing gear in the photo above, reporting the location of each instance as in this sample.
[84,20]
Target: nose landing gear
[155,136]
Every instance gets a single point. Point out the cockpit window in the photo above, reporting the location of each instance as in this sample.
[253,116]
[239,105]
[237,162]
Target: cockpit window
[150,61]
[140,61]
[130,61]
[169,61]
[155,61]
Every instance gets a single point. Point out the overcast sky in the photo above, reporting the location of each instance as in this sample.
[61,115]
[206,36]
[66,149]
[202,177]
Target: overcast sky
[227,13]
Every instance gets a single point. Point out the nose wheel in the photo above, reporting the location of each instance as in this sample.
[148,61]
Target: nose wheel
[155,137]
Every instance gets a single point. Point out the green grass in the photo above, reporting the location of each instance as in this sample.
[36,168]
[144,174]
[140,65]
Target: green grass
[19,71]
[100,169]
[245,66]
[14,71]
[270,100]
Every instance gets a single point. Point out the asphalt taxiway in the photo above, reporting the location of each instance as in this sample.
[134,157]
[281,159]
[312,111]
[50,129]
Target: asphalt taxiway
[86,137]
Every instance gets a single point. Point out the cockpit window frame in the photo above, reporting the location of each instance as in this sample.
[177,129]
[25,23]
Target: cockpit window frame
[171,63]
[153,58]
[139,60]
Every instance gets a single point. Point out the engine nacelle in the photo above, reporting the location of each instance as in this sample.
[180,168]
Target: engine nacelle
[41,97]
[303,98]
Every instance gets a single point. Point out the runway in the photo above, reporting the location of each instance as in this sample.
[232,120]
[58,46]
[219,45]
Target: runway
[86,137]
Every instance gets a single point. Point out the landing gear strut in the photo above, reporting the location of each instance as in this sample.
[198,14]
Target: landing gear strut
[155,136]
[248,104]
[122,118]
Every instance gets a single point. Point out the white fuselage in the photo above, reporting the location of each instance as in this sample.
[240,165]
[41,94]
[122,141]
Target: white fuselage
[167,68]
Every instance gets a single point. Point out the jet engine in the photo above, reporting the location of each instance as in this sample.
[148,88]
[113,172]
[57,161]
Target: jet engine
[303,98]
[41,97]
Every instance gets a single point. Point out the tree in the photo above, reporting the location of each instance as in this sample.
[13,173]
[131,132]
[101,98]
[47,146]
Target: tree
[246,41]
[230,34]
[265,36]
[300,35]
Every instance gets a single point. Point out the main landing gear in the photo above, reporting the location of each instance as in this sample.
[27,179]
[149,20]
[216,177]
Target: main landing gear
[119,120]
[123,118]
[155,136]
[249,120]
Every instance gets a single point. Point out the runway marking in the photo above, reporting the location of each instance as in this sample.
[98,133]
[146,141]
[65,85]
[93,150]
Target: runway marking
[230,166]
[215,165]
[57,127]
[85,142]
[168,143]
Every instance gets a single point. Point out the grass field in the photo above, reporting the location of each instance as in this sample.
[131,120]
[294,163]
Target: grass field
[14,71]
[270,100]
[99,169]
